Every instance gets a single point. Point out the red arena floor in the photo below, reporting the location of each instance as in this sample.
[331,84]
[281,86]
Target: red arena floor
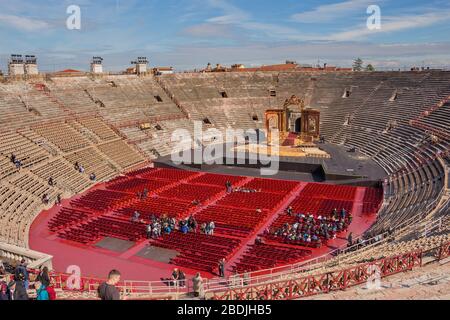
[95,231]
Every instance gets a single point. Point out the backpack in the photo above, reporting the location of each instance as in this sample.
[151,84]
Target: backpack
[42,293]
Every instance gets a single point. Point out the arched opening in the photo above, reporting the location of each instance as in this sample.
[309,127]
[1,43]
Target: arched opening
[298,125]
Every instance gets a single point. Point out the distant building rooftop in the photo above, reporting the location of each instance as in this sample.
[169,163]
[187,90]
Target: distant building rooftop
[288,66]
[68,73]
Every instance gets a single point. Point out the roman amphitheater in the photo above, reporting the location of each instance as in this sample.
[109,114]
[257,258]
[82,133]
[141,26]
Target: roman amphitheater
[381,154]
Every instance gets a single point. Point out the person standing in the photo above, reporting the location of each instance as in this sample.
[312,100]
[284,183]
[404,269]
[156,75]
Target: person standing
[58,200]
[175,277]
[289,211]
[43,277]
[229,187]
[21,270]
[182,279]
[246,278]
[149,231]
[18,289]
[222,268]
[350,239]
[108,290]
[199,289]
[51,290]
[212,226]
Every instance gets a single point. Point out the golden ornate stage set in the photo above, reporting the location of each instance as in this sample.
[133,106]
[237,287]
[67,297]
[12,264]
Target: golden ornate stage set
[298,128]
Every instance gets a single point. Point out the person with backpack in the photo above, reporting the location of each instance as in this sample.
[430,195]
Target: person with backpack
[18,289]
[43,279]
[41,292]
[21,269]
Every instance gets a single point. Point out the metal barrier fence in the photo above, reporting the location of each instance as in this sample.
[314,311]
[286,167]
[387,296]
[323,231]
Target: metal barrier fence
[326,282]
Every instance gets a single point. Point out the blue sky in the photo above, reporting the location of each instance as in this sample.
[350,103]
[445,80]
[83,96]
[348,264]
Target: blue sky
[187,34]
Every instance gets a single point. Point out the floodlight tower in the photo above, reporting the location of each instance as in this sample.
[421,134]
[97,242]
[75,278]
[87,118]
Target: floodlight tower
[141,65]
[97,65]
[31,67]
[16,66]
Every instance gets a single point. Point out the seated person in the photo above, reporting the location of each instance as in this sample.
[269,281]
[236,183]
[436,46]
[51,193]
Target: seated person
[184,229]
[45,199]
[136,216]
[51,182]
[18,164]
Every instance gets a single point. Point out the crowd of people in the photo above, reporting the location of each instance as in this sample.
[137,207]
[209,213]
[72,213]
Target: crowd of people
[16,286]
[20,283]
[164,224]
[229,188]
[313,230]
[26,285]
[157,226]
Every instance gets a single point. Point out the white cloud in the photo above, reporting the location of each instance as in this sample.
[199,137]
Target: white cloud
[23,23]
[329,12]
[231,14]
[392,24]
[340,54]
[209,30]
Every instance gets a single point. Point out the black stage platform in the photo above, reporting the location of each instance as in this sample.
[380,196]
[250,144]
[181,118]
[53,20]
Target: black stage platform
[113,244]
[342,168]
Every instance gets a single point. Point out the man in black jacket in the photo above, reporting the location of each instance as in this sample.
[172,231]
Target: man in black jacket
[107,290]
[17,288]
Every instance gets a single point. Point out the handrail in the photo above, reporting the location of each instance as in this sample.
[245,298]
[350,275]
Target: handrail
[36,259]
[325,282]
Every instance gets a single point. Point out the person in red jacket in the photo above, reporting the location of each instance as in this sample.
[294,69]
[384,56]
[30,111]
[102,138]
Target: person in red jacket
[51,290]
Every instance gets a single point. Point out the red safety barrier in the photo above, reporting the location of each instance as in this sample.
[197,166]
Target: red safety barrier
[322,283]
